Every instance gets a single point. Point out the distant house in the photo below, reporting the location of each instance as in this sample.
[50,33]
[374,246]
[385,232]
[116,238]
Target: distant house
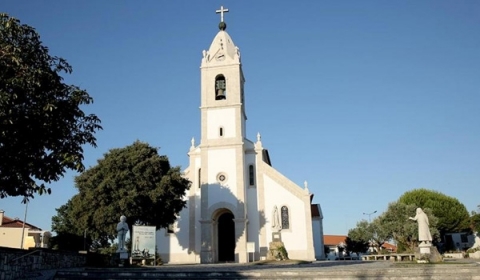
[460,241]
[11,233]
[333,242]
[389,247]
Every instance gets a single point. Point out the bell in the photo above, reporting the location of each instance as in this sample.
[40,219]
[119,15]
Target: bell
[220,94]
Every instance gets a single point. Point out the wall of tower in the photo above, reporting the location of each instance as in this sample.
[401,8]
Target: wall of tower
[224,118]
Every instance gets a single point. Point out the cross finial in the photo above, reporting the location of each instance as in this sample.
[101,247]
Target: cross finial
[221,11]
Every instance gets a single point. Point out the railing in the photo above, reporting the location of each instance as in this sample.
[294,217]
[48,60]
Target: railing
[393,257]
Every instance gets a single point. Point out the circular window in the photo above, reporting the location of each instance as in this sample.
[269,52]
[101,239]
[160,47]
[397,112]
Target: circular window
[222,177]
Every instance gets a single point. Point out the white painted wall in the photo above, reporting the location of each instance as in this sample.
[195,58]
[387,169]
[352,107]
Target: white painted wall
[222,160]
[217,118]
[295,237]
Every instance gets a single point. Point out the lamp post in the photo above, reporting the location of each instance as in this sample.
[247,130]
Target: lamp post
[369,214]
[23,224]
[369,221]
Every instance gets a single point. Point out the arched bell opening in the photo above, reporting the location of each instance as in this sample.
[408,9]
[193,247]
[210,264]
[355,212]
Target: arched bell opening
[220,88]
[225,236]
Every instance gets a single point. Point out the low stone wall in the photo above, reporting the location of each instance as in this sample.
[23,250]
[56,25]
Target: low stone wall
[17,263]
[453,255]
[475,255]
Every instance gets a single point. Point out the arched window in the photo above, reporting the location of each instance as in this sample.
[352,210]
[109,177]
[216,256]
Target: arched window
[285,218]
[251,175]
[199,178]
[220,88]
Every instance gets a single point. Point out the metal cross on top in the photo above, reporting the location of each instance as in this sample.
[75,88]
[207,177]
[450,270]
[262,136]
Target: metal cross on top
[221,11]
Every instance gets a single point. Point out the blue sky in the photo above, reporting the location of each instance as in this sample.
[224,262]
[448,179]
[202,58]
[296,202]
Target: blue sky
[363,99]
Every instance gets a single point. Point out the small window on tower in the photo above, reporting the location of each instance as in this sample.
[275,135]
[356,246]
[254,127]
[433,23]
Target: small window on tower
[221,132]
[251,175]
[220,88]
[199,178]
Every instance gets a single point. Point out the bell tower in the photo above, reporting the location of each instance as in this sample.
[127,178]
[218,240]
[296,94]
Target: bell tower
[219,160]
[222,102]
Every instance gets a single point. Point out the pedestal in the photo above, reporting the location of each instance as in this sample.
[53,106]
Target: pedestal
[276,248]
[426,253]
[424,249]
[122,256]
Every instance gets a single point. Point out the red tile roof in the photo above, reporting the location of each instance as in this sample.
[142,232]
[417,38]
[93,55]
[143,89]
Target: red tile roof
[334,239]
[16,223]
[389,247]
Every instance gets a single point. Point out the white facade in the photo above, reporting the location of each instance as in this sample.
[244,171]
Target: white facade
[234,188]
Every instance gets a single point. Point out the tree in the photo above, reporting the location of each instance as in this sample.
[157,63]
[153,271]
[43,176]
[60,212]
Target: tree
[395,223]
[475,221]
[370,233]
[134,181]
[42,128]
[356,246]
[452,215]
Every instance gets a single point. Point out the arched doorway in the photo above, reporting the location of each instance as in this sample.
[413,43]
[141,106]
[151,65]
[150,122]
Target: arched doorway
[226,237]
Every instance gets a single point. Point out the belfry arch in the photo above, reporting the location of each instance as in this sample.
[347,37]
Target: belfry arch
[220,87]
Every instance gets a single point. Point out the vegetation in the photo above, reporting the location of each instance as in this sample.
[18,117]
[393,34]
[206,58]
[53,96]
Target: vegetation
[397,226]
[445,214]
[134,181]
[452,215]
[370,233]
[42,128]
[475,221]
[356,246]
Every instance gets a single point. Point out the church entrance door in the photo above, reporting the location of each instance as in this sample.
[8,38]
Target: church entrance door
[226,238]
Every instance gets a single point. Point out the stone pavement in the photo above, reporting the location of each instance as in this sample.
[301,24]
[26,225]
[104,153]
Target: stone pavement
[457,269]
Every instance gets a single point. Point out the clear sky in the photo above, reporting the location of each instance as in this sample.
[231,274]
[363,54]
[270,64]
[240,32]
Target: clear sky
[363,99]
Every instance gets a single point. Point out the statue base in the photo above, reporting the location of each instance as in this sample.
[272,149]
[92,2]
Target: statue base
[426,253]
[277,251]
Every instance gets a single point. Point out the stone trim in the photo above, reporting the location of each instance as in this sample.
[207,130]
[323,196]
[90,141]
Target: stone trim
[283,181]
[211,212]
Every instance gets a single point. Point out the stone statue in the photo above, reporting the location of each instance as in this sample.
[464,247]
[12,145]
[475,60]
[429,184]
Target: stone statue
[122,229]
[276,223]
[424,235]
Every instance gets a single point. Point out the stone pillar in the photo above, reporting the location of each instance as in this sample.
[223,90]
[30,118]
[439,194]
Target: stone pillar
[241,254]
[206,253]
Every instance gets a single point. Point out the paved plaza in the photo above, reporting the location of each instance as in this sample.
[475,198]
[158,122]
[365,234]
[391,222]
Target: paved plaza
[452,269]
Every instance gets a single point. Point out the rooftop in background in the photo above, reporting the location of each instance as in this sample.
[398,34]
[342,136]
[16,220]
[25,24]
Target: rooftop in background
[8,222]
[334,239]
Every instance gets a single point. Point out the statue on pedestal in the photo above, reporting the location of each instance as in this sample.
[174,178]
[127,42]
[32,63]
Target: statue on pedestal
[122,229]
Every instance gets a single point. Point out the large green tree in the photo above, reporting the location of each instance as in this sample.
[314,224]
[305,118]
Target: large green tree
[452,215]
[134,181]
[42,125]
[368,232]
[395,222]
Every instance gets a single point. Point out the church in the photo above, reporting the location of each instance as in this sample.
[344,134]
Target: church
[238,204]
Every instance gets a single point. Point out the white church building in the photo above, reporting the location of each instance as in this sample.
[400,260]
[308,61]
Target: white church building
[238,203]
